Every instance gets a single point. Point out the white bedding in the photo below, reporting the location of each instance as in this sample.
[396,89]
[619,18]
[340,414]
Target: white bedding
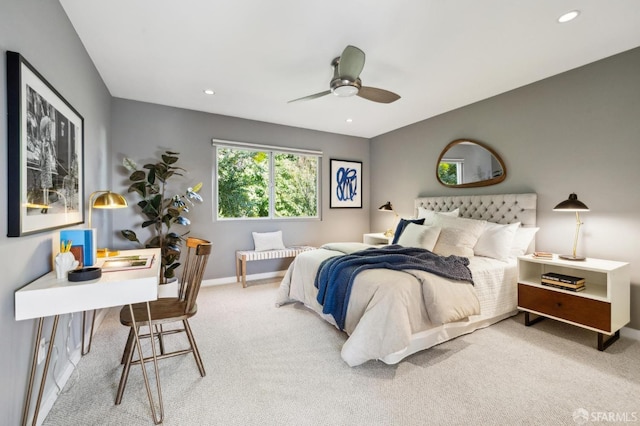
[393,314]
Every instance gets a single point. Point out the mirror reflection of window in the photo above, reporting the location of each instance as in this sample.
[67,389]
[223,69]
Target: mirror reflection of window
[465,163]
[451,172]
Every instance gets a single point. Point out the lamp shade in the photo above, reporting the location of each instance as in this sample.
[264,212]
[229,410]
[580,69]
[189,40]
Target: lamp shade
[386,207]
[109,200]
[105,200]
[572,204]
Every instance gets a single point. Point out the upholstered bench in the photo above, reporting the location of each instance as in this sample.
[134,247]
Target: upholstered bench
[244,256]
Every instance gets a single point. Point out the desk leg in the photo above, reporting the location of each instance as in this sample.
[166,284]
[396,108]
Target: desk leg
[84,331]
[156,419]
[34,366]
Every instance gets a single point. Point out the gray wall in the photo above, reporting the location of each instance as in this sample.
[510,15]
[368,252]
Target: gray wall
[41,32]
[142,131]
[575,132]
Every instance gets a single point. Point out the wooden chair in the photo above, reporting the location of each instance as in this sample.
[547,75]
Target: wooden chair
[168,310]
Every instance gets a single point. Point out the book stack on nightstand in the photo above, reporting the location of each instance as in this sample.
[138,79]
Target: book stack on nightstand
[562,281]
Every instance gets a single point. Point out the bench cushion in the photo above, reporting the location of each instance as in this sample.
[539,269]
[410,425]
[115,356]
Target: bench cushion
[273,254]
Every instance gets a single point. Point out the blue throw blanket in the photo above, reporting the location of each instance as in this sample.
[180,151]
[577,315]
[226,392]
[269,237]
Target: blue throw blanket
[336,275]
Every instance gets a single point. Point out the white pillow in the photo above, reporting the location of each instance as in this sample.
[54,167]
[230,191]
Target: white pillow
[420,236]
[263,241]
[522,240]
[496,240]
[430,215]
[458,236]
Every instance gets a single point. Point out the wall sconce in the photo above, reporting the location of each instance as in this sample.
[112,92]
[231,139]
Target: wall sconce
[388,208]
[572,205]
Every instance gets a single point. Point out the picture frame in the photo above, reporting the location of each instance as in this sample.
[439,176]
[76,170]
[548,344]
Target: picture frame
[45,153]
[345,184]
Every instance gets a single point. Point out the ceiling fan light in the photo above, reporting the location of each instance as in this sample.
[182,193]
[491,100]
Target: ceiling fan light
[569,16]
[344,91]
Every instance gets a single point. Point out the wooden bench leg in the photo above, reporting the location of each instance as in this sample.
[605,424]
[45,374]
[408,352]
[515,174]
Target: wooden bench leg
[237,268]
[244,271]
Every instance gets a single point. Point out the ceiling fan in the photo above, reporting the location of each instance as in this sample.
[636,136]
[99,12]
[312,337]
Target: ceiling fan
[346,79]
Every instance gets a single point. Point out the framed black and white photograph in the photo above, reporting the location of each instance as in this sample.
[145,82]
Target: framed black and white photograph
[45,154]
[346,184]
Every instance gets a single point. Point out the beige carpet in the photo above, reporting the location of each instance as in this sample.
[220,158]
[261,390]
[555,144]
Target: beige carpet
[282,366]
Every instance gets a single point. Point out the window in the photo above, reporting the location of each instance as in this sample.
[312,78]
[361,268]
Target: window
[451,172]
[256,182]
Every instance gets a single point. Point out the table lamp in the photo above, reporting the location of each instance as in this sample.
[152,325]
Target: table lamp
[572,204]
[105,199]
[388,208]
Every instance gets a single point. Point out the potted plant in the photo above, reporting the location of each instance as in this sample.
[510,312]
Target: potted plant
[161,210]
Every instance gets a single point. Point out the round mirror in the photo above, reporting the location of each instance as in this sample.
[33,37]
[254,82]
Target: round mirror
[465,164]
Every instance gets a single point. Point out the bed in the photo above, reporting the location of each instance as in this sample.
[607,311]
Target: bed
[392,314]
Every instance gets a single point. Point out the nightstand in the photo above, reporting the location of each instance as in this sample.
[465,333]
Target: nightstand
[603,306]
[377,238]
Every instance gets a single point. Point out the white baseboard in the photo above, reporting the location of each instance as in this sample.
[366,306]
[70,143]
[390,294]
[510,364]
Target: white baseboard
[631,333]
[252,277]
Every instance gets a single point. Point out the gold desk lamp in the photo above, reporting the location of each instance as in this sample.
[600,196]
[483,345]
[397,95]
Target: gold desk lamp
[389,208]
[572,204]
[105,199]
[102,199]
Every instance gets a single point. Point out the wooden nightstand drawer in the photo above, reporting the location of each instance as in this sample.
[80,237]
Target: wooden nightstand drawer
[577,309]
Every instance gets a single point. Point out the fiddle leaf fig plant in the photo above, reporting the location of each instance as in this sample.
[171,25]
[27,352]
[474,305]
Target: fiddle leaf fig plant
[161,209]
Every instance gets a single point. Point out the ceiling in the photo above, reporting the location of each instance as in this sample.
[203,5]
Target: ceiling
[256,55]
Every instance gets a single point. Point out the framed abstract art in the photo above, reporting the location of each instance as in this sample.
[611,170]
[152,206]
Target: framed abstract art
[345,184]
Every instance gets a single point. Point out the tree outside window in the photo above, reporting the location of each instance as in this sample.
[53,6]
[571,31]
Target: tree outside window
[450,173]
[266,184]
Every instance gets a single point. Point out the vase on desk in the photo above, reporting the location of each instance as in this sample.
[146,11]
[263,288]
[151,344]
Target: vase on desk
[64,263]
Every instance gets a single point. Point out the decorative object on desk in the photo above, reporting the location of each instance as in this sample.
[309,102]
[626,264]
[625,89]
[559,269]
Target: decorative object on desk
[572,204]
[65,261]
[162,210]
[85,274]
[45,154]
[126,263]
[345,184]
[389,208]
[82,243]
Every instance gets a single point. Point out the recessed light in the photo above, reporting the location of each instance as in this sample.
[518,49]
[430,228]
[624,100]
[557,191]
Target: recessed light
[349,120]
[209,92]
[569,16]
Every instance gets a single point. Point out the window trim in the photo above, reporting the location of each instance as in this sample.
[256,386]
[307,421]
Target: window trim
[271,150]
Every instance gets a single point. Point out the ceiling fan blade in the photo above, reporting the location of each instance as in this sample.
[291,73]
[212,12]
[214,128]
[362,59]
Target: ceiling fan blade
[351,63]
[316,95]
[378,95]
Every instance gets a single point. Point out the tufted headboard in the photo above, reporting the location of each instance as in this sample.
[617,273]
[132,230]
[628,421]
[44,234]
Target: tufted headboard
[500,208]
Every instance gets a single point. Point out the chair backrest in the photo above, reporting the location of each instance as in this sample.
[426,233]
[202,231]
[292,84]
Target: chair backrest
[197,256]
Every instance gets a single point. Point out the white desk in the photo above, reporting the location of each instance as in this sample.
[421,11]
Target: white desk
[49,296]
